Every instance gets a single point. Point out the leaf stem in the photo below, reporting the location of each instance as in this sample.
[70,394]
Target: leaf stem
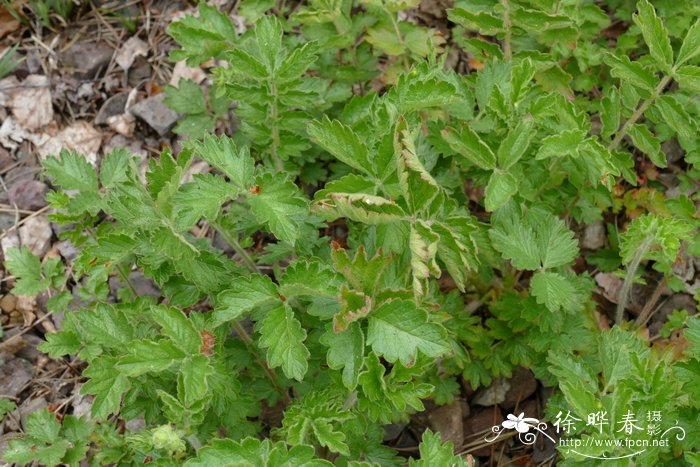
[507,48]
[629,278]
[639,111]
[274,116]
[240,251]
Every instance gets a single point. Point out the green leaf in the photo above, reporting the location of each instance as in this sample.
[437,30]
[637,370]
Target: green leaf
[537,240]
[471,147]
[563,144]
[360,207]
[426,94]
[309,278]
[483,22]
[226,156]
[515,144]
[521,75]
[631,72]
[268,40]
[675,116]
[252,451]
[43,426]
[114,166]
[655,34]
[688,78]
[296,63]
[201,198]
[276,201]
[176,326]
[691,44]
[60,343]
[26,267]
[553,291]
[398,329]
[610,112]
[501,188]
[247,65]
[283,337]
[242,296]
[25,451]
[346,352]
[72,171]
[342,142]
[433,452]
[193,379]
[147,356]
[423,244]
[186,98]
[418,187]
[647,143]
[107,384]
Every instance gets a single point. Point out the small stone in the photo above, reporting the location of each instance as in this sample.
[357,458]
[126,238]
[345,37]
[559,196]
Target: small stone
[67,250]
[8,303]
[141,284]
[80,136]
[31,103]
[15,374]
[6,159]
[156,114]
[7,220]
[494,394]
[28,195]
[113,106]
[522,385]
[87,58]
[10,241]
[447,420]
[127,53]
[35,234]
[593,236]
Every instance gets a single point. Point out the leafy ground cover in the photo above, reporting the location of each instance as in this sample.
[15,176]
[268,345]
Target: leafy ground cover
[361,233]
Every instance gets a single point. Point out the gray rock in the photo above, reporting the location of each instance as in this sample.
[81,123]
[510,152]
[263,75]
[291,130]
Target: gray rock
[36,234]
[522,385]
[155,113]
[7,220]
[593,236]
[28,195]
[447,420]
[142,285]
[87,58]
[15,374]
[115,105]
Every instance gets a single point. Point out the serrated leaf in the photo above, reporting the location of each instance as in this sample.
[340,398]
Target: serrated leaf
[297,62]
[610,113]
[43,426]
[360,207]
[691,44]
[515,144]
[114,166]
[426,94]
[563,144]
[688,78]
[186,98]
[418,187]
[242,296]
[501,188]
[423,244]
[346,353]
[178,328]
[521,75]
[647,143]
[26,451]
[276,201]
[655,34]
[468,144]
[675,116]
[342,142]
[106,326]
[309,278]
[631,72]
[283,337]
[553,291]
[60,343]
[146,356]
[268,40]
[223,153]
[483,22]
[398,329]
[243,63]
[72,171]
[433,452]
[201,198]
[192,381]
[107,384]
[555,241]
[457,248]
[26,267]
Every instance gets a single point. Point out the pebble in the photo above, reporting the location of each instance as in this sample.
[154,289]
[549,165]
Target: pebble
[593,236]
[87,58]
[15,374]
[155,113]
[36,234]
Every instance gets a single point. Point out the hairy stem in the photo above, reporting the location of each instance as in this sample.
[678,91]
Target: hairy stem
[507,49]
[274,116]
[629,278]
[240,251]
[639,111]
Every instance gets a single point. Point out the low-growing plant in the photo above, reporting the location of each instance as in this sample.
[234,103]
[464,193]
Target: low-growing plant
[437,243]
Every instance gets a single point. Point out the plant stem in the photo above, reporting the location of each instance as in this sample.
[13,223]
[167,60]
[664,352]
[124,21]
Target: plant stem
[507,49]
[240,251]
[397,31]
[638,113]
[274,116]
[629,278]
[248,341]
